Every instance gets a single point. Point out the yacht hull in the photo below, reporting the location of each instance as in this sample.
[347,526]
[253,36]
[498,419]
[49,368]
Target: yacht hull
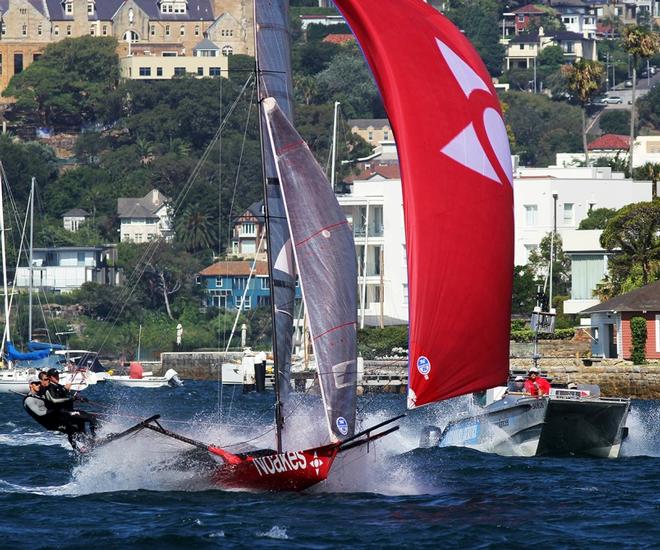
[550,426]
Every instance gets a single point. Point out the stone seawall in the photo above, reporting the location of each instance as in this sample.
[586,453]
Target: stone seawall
[616,378]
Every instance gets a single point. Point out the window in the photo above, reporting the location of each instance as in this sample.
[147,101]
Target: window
[568,213]
[92,30]
[370,135]
[40,30]
[200,71]
[529,248]
[68,8]
[243,303]
[239,283]
[159,71]
[587,270]
[386,135]
[167,30]
[179,71]
[264,283]
[531,211]
[521,18]
[522,46]
[81,258]
[36,56]
[68,30]
[218,282]
[152,30]
[24,30]
[196,30]
[263,301]
[168,54]
[145,71]
[138,237]
[90,7]
[182,30]
[214,71]
[131,36]
[405,293]
[56,30]
[22,11]
[127,237]
[18,63]
[248,229]
[105,30]
[227,51]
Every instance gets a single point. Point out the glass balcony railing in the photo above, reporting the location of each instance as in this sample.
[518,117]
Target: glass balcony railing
[374,230]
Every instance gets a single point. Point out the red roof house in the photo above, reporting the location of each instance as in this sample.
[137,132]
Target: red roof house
[610,142]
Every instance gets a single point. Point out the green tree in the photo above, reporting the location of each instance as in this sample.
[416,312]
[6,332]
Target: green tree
[523,298]
[539,263]
[72,82]
[648,107]
[640,43]
[616,121]
[551,58]
[650,171]
[633,237]
[585,78]
[597,218]
[541,127]
[348,81]
[194,229]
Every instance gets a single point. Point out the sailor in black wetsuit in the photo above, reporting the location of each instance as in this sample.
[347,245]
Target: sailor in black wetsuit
[36,407]
[59,400]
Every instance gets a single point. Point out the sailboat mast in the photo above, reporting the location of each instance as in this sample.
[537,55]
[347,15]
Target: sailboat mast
[30,260]
[279,419]
[334,146]
[4,259]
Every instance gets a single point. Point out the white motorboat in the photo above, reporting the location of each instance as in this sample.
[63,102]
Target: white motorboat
[569,421]
[148,380]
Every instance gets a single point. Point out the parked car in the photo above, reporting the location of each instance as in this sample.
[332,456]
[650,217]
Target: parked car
[612,100]
[628,84]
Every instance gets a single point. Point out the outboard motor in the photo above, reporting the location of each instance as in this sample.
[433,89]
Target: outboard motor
[173,378]
[430,437]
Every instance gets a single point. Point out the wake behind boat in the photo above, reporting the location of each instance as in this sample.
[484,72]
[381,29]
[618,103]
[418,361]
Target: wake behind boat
[567,422]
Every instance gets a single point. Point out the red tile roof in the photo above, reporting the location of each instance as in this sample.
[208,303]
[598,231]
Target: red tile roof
[234,269]
[610,142]
[339,38]
[529,8]
[387,171]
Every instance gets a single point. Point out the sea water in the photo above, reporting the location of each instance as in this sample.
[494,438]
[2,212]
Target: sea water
[147,491]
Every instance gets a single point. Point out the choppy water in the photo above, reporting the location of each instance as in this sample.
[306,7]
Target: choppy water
[144,492]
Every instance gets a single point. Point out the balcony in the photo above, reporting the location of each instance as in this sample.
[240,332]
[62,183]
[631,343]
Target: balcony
[375,230]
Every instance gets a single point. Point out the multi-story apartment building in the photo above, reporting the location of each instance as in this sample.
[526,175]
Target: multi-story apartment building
[167,28]
[374,208]
[372,130]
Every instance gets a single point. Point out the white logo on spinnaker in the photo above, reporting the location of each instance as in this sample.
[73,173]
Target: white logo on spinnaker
[466,148]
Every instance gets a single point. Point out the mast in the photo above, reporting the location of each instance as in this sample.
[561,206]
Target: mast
[31,261]
[4,260]
[279,418]
[334,146]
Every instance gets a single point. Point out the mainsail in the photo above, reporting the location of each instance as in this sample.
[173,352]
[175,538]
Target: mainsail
[457,190]
[325,255]
[274,74]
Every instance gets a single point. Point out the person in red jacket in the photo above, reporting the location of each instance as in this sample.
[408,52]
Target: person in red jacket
[536,385]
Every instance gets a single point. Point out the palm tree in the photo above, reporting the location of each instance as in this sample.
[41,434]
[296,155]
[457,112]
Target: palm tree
[640,43]
[651,170]
[194,230]
[584,78]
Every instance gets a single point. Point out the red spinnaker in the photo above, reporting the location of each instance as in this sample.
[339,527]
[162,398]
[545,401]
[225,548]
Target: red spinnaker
[457,189]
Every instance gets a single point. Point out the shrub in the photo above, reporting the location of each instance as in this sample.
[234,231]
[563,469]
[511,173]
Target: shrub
[638,329]
[378,342]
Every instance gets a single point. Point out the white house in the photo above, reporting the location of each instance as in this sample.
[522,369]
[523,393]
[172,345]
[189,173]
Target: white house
[578,190]
[66,268]
[374,208]
[74,218]
[144,219]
